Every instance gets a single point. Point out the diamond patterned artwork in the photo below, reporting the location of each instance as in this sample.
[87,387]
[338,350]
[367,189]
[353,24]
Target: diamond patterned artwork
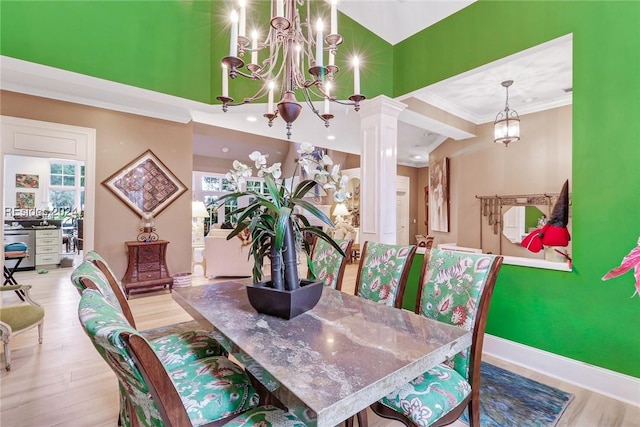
[145,185]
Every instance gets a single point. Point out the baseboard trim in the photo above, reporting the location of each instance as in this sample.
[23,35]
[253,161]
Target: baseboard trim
[609,383]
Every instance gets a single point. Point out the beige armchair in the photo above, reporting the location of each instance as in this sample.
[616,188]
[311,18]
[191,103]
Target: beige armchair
[15,319]
[227,257]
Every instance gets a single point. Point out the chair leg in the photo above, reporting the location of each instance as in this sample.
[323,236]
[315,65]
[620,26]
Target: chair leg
[40,328]
[7,356]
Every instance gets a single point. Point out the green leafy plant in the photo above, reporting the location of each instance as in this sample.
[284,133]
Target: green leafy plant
[275,220]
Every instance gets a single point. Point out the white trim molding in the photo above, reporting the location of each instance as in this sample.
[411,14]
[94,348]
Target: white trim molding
[609,383]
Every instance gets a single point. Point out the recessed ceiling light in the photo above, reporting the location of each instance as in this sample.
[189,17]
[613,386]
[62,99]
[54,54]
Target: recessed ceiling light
[331,137]
[417,156]
[225,149]
[528,100]
[252,119]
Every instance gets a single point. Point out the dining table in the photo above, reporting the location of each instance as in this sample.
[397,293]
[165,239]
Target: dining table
[330,362]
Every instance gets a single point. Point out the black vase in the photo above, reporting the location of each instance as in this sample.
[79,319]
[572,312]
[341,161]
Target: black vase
[285,304]
[284,265]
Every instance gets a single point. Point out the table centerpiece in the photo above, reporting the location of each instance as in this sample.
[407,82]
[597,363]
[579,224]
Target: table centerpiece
[277,225]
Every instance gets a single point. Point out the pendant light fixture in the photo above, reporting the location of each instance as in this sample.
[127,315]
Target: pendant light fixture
[506,128]
[293,55]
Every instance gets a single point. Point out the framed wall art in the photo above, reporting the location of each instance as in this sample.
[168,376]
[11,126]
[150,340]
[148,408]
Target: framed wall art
[25,200]
[25,180]
[439,195]
[145,185]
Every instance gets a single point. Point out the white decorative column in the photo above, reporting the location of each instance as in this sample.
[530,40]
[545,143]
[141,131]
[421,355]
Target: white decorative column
[378,165]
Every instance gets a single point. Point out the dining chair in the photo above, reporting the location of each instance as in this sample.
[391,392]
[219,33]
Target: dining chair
[382,277]
[327,264]
[210,390]
[116,288]
[383,272]
[190,344]
[455,288]
[172,346]
[16,319]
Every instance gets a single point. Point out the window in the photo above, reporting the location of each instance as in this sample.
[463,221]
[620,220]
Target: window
[211,183]
[66,187]
[63,174]
[213,186]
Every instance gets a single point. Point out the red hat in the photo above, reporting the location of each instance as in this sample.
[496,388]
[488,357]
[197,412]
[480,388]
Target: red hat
[554,232]
[533,242]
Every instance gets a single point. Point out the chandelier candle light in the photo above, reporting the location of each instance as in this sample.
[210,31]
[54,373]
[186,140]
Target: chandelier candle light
[507,125]
[290,45]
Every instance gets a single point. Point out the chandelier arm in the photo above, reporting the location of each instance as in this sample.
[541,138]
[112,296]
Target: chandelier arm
[307,98]
[337,101]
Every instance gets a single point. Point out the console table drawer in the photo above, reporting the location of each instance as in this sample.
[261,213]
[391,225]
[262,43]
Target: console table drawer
[47,249]
[44,241]
[149,266]
[46,259]
[148,275]
[48,233]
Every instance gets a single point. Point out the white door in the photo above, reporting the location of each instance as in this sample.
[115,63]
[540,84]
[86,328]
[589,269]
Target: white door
[402,210]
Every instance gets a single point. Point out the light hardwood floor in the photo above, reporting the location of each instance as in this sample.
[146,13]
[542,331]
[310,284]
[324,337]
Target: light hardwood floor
[64,382]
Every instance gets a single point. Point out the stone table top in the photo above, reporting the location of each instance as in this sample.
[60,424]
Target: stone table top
[332,361]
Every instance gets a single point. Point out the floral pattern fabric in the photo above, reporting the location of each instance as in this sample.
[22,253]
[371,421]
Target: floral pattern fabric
[211,388]
[172,348]
[326,262]
[427,398]
[452,285]
[265,416]
[381,273]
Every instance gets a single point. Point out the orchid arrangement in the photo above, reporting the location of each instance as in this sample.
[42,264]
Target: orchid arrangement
[275,225]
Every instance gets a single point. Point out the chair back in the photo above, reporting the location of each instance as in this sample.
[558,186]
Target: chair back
[107,327]
[383,272]
[456,288]
[103,265]
[89,275]
[327,264]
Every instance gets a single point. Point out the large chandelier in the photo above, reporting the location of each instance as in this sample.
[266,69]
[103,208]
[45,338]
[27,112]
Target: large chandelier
[506,128]
[294,64]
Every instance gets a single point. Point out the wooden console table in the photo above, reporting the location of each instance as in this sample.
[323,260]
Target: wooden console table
[147,266]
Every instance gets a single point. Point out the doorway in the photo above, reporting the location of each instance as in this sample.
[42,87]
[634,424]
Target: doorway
[38,139]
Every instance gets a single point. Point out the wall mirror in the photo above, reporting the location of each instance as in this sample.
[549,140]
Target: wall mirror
[518,221]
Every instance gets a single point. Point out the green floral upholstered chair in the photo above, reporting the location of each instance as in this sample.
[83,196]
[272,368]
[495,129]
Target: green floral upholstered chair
[172,345]
[116,286]
[456,288]
[327,264]
[15,319]
[195,393]
[171,348]
[383,272]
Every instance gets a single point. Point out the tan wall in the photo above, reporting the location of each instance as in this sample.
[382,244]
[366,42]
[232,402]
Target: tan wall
[212,164]
[539,163]
[423,181]
[120,138]
[416,199]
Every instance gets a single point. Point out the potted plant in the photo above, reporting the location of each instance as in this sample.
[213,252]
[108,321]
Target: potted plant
[277,225]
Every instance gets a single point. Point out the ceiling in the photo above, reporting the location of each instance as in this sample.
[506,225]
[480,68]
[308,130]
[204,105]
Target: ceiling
[542,75]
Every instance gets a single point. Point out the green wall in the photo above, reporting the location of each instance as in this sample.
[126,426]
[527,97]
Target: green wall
[163,46]
[173,47]
[571,314]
